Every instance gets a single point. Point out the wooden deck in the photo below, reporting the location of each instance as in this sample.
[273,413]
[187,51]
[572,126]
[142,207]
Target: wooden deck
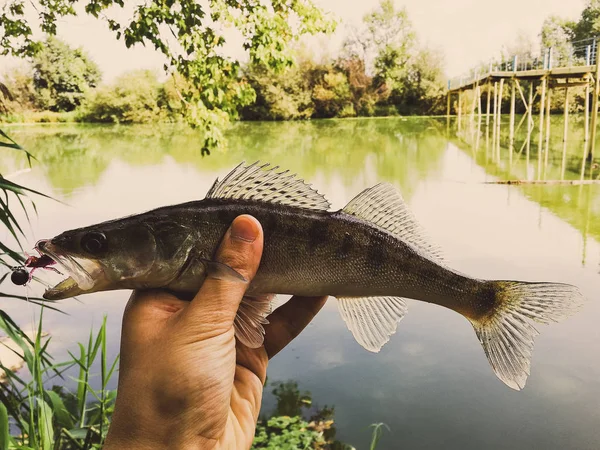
[580,73]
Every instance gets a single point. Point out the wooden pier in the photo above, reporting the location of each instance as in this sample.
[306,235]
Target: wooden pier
[543,77]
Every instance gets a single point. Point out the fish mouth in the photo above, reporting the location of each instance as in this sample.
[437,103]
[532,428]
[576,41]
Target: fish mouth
[82,273]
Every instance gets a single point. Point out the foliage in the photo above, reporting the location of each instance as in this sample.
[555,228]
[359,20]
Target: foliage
[296,423]
[588,24]
[190,36]
[10,189]
[56,418]
[558,34]
[405,77]
[62,75]
[279,96]
[133,98]
[19,92]
[381,70]
[287,433]
[331,94]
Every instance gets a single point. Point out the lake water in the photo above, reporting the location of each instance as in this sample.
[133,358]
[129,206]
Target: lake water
[431,384]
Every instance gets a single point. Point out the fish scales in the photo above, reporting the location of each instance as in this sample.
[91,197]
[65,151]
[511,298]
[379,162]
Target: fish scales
[302,249]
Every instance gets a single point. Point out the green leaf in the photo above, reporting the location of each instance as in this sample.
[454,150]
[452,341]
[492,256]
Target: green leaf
[4,435]
[62,414]
[12,144]
[45,425]
[78,433]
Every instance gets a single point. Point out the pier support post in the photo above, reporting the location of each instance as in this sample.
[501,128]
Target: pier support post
[480,112]
[472,112]
[489,101]
[511,137]
[529,122]
[592,146]
[479,117]
[541,139]
[459,110]
[547,146]
[500,92]
[495,121]
[565,134]
[586,118]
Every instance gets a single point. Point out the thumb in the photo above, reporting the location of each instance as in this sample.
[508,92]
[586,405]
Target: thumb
[214,307]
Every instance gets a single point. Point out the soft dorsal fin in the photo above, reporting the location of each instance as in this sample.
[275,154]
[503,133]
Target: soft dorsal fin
[383,205]
[264,183]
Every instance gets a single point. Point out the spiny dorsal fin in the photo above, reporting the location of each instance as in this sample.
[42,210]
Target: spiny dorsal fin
[264,183]
[382,205]
[372,320]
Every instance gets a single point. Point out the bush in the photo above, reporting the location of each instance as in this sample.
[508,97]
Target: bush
[287,433]
[133,98]
[332,95]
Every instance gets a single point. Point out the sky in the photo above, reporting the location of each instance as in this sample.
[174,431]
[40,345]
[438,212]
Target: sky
[466,31]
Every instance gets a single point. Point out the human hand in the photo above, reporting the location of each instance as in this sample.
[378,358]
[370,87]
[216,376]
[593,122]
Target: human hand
[185,382]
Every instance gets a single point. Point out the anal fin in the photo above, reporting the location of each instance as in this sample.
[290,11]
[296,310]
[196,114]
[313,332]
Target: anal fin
[251,316]
[372,320]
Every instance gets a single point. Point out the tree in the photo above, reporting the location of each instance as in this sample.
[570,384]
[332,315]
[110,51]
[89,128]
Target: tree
[190,36]
[385,31]
[558,33]
[425,91]
[279,96]
[364,94]
[405,78]
[19,92]
[523,47]
[62,75]
[589,22]
[332,95]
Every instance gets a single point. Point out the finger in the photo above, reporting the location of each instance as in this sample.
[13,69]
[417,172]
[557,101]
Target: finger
[289,320]
[217,301]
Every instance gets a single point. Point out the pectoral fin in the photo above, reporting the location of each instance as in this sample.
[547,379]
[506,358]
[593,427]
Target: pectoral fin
[220,271]
[251,316]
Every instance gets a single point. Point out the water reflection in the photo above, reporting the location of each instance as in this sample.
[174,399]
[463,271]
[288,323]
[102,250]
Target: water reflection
[431,383]
[577,204]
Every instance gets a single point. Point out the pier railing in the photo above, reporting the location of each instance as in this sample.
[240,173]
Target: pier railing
[572,54]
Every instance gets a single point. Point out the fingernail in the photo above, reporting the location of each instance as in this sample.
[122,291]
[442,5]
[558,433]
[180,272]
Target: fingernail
[244,229]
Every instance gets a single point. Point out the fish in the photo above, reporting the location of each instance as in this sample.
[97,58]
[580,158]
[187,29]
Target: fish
[372,255]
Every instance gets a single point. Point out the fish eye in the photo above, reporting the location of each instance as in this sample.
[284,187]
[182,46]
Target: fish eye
[94,242]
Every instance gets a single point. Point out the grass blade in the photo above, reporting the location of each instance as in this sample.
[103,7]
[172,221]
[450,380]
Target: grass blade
[46,425]
[12,144]
[377,432]
[4,436]
[60,410]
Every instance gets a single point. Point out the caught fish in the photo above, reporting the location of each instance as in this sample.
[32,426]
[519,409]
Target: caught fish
[371,256]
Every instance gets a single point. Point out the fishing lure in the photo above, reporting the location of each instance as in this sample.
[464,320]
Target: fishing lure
[20,276]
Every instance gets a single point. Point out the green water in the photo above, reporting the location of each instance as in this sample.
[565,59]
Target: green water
[431,384]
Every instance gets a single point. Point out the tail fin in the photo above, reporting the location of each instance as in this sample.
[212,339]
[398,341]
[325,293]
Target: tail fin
[507,335]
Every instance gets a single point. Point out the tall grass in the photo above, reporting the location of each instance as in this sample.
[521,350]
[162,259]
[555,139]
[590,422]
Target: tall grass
[54,418]
[33,416]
